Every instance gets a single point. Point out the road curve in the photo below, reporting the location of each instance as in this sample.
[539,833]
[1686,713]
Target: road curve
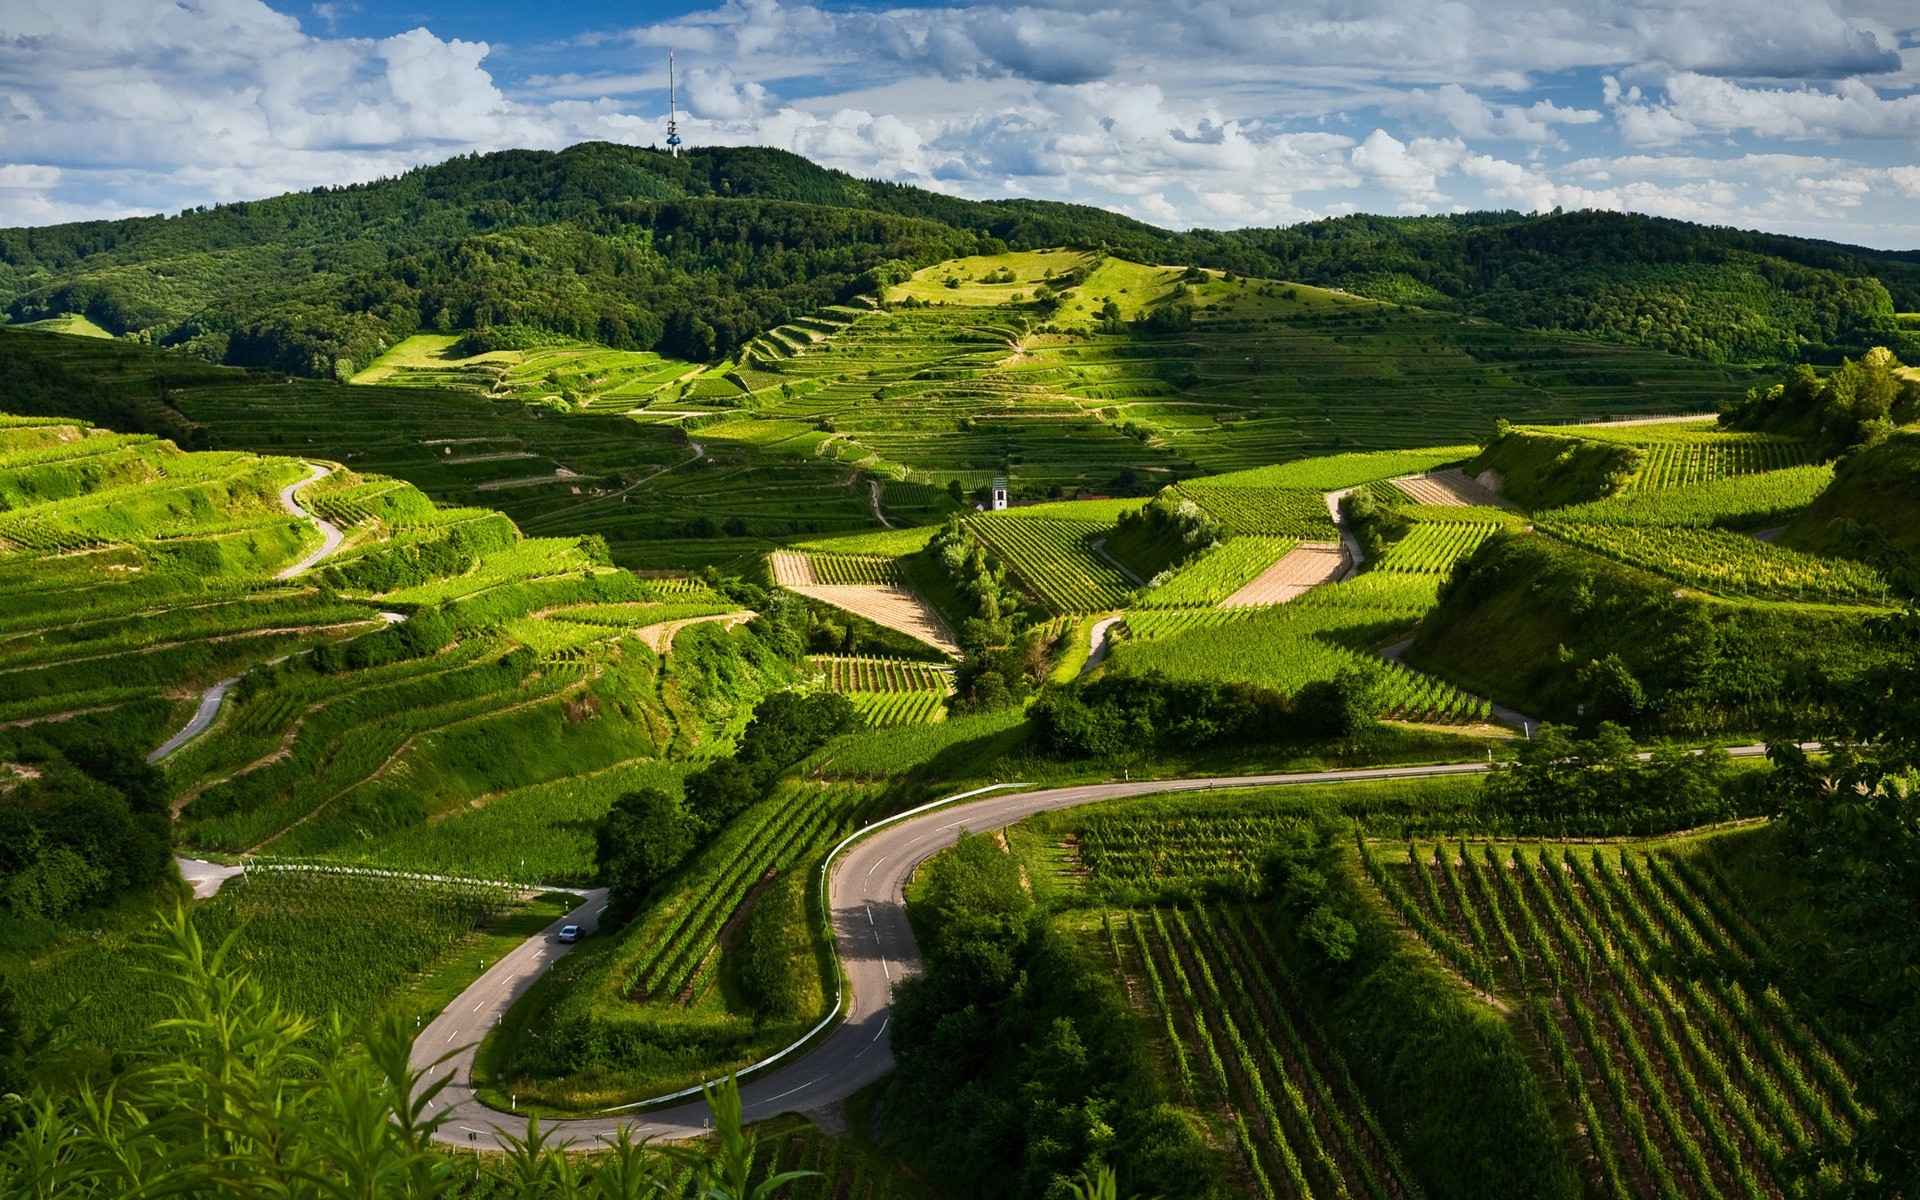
[203,716]
[866,897]
[330,535]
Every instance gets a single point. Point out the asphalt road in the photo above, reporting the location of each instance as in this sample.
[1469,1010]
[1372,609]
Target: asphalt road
[866,896]
[203,716]
[330,535]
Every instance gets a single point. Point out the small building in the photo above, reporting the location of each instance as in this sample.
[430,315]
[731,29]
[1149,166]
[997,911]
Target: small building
[999,493]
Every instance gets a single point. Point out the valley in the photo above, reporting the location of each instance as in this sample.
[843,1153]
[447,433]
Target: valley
[1376,749]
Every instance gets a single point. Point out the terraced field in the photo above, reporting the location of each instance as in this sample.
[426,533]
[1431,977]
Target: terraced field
[371,692]
[888,692]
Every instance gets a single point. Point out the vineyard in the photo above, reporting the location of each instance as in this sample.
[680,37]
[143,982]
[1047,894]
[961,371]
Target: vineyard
[1317,636]
[1433,548]
[1736,502]
[1248,1054]
[1643,980]
[1055,560]
[1716,456]
[1219,573]
[843,569]
[1685,453]
[675,961]
[1715,560]
[887,692]
[318,943]
[1297,513]
[653,996]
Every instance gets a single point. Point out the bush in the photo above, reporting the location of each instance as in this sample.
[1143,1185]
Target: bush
[776,970]
[1019,1065]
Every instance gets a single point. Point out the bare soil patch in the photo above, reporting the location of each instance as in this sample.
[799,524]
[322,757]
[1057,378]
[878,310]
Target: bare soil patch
[1450,487]
[1302,569]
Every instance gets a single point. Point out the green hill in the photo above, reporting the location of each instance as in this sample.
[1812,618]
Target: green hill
[1871,511]
[1571,636]
[698,255]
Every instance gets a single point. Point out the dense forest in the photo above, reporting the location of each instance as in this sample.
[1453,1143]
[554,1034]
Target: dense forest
[694,256]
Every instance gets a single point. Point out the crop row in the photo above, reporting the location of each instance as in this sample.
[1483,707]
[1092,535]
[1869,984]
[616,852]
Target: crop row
[882,710]
[1220,572]
[773,834]
[839,569]
[1248,1054]
[880,675]
[1677,464]
[1053,558]
[1290,645]
[1735,502]
[1634,970]
[1272,511]
[1432,549]
[1715,560]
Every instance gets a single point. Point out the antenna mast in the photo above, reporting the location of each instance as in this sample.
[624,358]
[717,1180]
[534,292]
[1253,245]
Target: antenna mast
[673,129]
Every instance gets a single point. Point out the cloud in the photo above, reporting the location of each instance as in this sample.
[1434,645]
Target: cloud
[713,92]
[1472,116]
[1410,170]
[1223,112]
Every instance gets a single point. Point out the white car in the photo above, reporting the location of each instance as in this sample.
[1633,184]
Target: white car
[569,933]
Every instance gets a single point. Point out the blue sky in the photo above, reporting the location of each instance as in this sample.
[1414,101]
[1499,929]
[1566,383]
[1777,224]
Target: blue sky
[1801,116]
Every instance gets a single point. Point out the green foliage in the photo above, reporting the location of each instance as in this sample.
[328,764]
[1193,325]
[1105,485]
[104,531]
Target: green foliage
[1729,564]
[1541,470]
[1857,405]
[1599,786]
[1005,1090]
[639,842]
[1127,716]
[1721,294]
[1444,1071]
[1752,501]
[1850,835]
[83,821]
[775,966]
[237,1094]
[1869,514]
[1529,621]
[1166,533]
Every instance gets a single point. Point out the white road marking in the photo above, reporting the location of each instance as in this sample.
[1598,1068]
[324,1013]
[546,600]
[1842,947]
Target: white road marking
[790,1091]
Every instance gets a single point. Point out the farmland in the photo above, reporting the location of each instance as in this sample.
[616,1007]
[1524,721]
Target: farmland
[579,586]
[1702,1073]
[1727,563]
[1055,560]
[661,994]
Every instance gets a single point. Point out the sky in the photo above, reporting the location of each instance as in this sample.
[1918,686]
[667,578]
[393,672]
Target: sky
[1798,116]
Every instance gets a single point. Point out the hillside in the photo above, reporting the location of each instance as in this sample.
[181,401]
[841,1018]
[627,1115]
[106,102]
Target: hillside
[1868,513]
[695,256]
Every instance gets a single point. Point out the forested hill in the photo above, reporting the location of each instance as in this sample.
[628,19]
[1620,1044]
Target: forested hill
[695,256]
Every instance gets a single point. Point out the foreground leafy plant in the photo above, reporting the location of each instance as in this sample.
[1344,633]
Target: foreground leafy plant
[231,1099]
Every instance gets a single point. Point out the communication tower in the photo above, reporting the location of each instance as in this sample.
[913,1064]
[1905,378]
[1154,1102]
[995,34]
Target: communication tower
[673,127]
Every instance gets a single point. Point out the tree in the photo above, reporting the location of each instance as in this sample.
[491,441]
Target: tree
[643,837]
[718,792]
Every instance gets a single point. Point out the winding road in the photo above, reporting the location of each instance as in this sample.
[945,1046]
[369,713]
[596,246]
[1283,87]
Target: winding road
[330,535]
[866,898]
[330,539]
